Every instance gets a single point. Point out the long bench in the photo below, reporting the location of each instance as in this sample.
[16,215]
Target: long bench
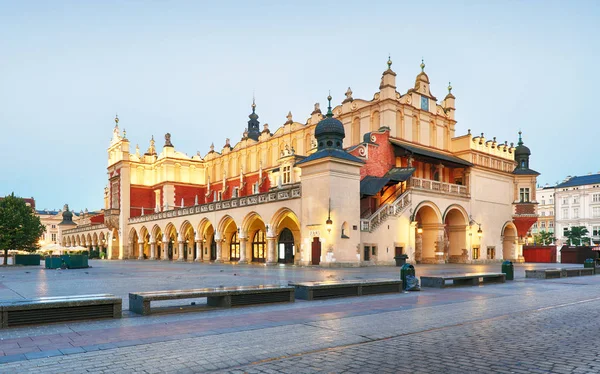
[469,279]
[558,273]
[344,288]
[59,309]
[223,297]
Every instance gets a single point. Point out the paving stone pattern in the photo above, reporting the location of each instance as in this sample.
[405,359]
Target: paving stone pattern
[525,326]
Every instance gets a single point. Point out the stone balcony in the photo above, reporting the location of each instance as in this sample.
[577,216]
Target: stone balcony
[438,187]
[285,193]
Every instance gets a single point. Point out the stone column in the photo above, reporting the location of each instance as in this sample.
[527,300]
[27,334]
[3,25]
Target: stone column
[418,248]
[243,241]
[180,250]
[271,251]
[198,250]
[141,250]
[165,250]
[153,250]
[219,242]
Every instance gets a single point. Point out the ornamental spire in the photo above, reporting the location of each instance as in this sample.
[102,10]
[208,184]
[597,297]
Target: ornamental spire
[389,62]
[422,65]
[329,112]
[520,139]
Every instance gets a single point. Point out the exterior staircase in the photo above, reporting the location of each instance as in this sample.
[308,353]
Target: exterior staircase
[395,208]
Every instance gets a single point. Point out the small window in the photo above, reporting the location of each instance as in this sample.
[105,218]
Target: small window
[374,250]
[53,237]
[255,188]
[287,174]
[53,226]
[345,231]
[235,192]
[220,196]
[524,195]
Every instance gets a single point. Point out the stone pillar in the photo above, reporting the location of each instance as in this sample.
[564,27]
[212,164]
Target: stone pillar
[219,242]
[271,251]
[153,250]
[418,248]
[180,250]
[243,241]
[198,244]
[165,250]
[439,249]
[141,250]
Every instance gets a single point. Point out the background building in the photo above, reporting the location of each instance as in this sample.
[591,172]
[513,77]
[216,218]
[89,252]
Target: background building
[545,209]
[577,202]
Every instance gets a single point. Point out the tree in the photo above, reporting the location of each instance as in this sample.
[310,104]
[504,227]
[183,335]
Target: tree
[20,228]
[544,238]
[578,235]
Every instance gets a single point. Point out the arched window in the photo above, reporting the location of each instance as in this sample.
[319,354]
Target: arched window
[234,248]
[399,125]
[259,247]
[345,231]
[286,250]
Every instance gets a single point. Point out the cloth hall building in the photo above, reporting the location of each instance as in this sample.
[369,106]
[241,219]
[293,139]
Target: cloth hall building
[366,181]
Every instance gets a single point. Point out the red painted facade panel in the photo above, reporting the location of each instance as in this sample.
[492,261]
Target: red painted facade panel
[545,254]
[141,196]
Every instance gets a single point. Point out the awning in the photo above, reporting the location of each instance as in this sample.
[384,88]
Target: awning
[595,248]
[402,149]
[370,186]
[399,174]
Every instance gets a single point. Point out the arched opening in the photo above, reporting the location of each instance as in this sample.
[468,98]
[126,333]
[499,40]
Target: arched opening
[256,229]
[171,245]
[145,238]
[509,242]
[234,247]
[134,247]
[88,243]
[228,228]
[188,252]
[208,246]
[259,246]
[375,124]
[157,237]
[114,244]
[428,234]
[455,236]
[285,223]
[345,230]
[286,247]
[102,243]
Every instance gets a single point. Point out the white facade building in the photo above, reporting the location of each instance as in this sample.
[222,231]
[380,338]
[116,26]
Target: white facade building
[577,203]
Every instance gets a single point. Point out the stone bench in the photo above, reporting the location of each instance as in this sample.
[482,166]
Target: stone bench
[224,297]
[469,279]
[558,273]
[59,309]
[344,288]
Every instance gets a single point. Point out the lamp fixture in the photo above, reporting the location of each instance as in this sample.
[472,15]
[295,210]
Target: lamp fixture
[479,232]
[329,222]
[419,229]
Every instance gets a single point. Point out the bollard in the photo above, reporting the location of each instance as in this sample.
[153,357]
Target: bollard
[509,270]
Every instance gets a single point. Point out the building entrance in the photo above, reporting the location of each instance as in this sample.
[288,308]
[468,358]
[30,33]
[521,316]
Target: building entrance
[286,247]
[316,251]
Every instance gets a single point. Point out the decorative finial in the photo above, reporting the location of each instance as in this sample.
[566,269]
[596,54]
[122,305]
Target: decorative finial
[422,66]
[469,132]
[329,112]
[124,134]
[449,87]
[253,104]
[116,120]
[289,117]
[389,62]
[520,140]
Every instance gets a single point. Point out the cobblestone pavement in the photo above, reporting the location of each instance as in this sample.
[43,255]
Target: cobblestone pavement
[524,326]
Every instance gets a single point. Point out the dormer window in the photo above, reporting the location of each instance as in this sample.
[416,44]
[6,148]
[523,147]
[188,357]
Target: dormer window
[524,195]
[424,103]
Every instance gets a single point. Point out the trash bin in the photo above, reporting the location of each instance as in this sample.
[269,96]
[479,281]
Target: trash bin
[589,263]
[509,270]
[406,269]
[401,260]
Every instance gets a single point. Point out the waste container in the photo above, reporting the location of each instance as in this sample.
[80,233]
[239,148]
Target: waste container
[589,263]
[406,269]
[509,270]
[401,259]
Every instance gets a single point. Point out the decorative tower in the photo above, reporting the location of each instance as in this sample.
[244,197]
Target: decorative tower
[449,102]
[253,129]
[525,181]
[331,183]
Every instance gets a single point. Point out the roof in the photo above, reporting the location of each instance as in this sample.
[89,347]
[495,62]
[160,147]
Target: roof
[399,174]
[526,171]
[405,148]
[370,185]
[580,181]
[330,152]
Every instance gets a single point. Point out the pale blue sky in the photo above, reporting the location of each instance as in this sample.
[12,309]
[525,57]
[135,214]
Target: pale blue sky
[190,68]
